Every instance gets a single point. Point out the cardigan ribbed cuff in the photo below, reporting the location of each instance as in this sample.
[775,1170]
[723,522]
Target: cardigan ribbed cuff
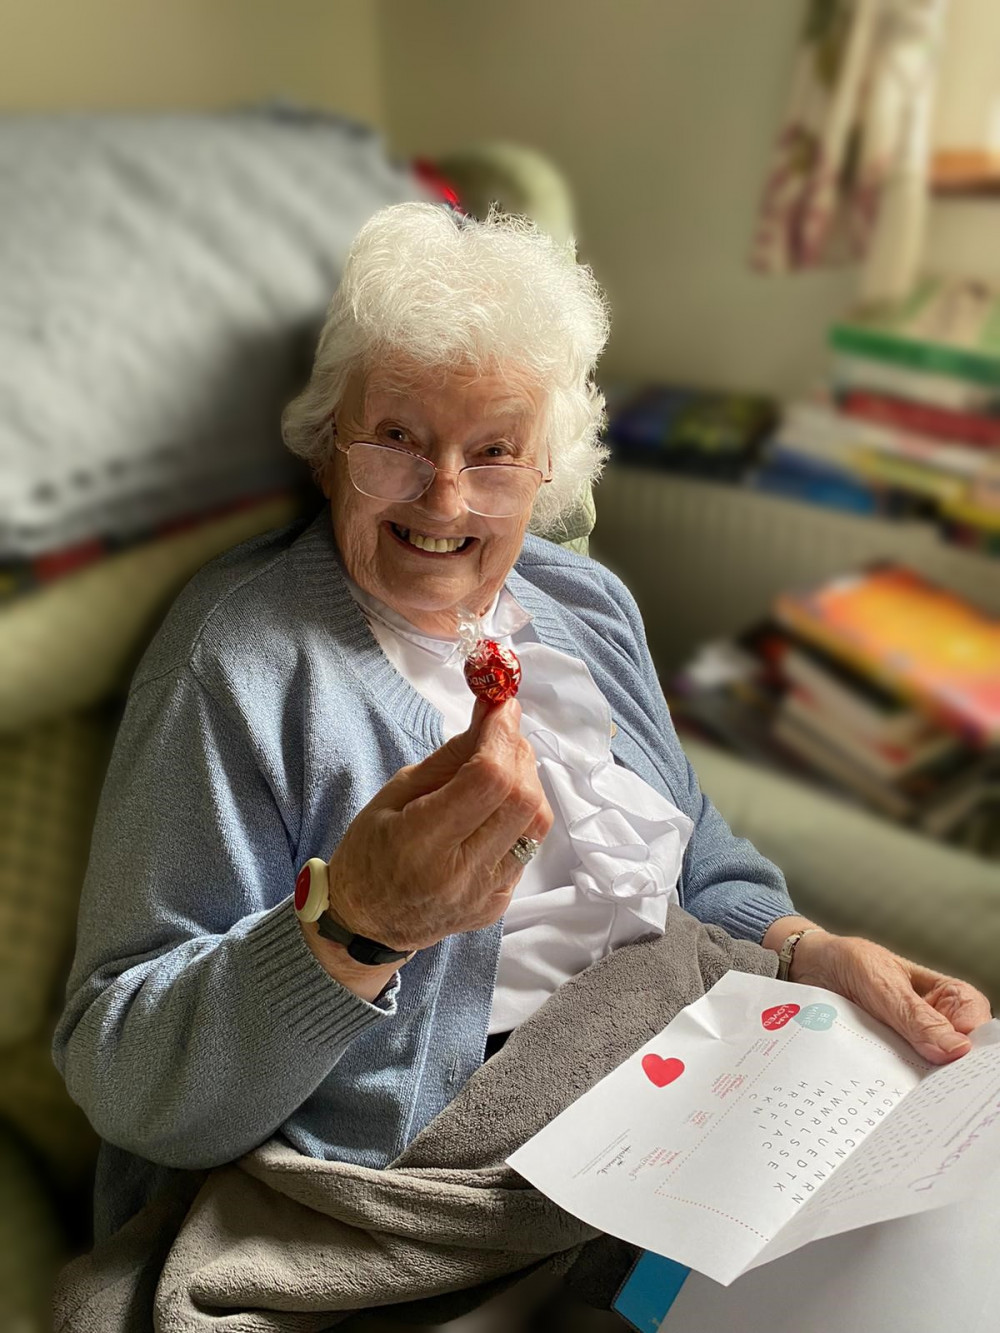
[748,918]
[292,984]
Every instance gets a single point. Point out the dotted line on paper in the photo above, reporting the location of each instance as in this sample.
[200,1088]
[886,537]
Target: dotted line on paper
[863,1036]
[695,1203]
[732,1107]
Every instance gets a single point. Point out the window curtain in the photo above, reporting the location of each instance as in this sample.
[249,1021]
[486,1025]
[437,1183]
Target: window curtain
[848,179]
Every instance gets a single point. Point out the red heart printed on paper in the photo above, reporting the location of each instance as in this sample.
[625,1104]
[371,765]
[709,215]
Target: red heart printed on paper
[778,1016]
[660,1071]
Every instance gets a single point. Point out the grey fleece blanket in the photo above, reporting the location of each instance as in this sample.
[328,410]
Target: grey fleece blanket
[278,1241]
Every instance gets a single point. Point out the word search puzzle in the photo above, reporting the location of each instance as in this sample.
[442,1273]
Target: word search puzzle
[764,1116]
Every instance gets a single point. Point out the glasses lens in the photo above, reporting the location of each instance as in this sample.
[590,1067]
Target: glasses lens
[388,474]
[499,491]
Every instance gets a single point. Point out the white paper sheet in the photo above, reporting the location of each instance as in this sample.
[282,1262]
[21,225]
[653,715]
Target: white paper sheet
[922,1274]
[764,1116]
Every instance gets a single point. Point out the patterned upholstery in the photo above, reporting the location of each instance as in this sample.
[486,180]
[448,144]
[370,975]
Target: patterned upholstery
[50,777]
[34,1103]
[31,1242]
[74,643]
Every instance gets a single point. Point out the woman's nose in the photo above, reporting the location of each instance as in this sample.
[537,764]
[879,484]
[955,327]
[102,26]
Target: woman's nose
[443,499]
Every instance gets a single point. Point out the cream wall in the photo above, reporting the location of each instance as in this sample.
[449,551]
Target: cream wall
[88,54]
[967,114]
[662,114]
[964,234]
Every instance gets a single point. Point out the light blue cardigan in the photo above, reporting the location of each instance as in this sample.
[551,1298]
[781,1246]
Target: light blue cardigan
[262,718]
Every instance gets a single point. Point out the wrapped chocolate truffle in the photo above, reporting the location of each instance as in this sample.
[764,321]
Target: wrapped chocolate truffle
[493,673]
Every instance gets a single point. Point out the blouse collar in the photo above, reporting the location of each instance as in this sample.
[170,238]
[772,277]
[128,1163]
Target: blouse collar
[504,617]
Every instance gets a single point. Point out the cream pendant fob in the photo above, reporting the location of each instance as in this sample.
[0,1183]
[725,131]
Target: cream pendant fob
[312,890]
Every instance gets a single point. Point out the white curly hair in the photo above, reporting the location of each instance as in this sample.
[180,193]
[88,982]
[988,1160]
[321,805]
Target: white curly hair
[443,291]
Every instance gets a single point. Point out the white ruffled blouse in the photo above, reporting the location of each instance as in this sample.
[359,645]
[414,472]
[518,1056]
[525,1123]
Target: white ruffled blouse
[610,865]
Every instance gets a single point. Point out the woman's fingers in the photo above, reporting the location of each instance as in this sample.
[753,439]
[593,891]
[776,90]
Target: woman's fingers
[491,872]
[432,773]
[928,1032]
[478,786]
[963,1005]
[427,857]
[900,996]
[932,1012]
[525,813]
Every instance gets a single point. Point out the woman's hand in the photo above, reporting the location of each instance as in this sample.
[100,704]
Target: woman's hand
[429,855]
[933,1012]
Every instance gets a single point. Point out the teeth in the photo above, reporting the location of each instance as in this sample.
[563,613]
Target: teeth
[440,545]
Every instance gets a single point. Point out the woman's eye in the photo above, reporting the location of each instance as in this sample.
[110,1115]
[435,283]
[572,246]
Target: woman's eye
[395,434]
[501,449]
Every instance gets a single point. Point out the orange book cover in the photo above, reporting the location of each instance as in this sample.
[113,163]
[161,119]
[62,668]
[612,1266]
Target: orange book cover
[924,641]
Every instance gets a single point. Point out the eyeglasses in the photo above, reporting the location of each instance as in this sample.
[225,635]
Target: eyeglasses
[492,490]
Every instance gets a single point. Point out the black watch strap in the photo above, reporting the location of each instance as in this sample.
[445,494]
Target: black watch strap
[360,947]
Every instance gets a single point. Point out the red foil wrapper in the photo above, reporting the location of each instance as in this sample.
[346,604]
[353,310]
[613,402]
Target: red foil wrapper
[493,673]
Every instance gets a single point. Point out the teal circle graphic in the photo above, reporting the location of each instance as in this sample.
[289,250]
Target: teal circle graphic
[816,1017]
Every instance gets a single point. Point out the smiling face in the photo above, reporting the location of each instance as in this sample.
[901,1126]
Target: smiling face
[455,420]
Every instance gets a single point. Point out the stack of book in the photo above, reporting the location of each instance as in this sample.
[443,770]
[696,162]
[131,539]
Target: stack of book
[909,424]
[702,432]
[881,685]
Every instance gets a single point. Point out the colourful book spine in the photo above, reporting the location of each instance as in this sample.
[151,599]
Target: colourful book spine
[909,474]
[945,328]
[936,359]
[924,641]
[924,418]
[964,510]
[913,386]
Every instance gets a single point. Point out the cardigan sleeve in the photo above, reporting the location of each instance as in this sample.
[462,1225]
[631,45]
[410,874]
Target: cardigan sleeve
[725,880]
[197,1019]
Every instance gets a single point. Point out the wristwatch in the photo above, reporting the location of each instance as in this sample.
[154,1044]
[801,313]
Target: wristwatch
[312,899]
[787,951]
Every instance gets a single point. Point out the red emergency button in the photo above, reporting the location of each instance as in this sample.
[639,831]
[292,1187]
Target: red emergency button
[312,890]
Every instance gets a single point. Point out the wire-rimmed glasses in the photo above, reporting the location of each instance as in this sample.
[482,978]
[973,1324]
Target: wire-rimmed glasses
[492,490]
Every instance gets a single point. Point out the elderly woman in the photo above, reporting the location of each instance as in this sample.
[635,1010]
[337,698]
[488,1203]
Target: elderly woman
[304,702]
